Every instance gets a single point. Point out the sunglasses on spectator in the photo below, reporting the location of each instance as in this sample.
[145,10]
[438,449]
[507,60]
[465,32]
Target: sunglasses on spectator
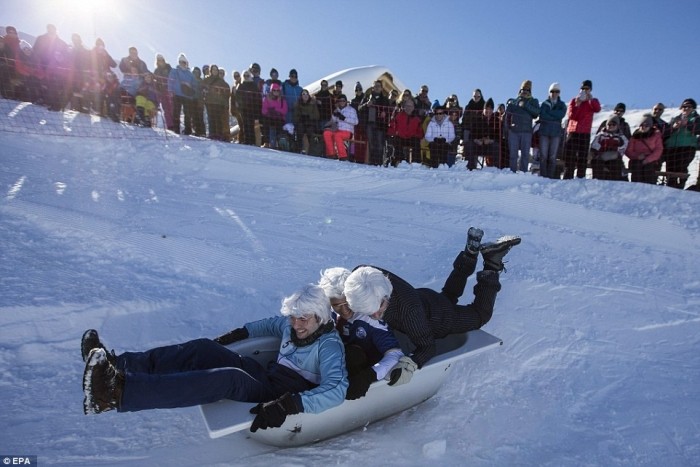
[612,124]
[583,88]
[525,90]
[619,111]
[686,107]
[554,91]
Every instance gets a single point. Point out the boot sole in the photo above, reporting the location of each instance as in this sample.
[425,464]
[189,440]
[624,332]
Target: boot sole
[96,357]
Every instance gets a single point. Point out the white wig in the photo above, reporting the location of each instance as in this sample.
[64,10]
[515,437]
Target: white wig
[309,300]
[333,281]
[365,289]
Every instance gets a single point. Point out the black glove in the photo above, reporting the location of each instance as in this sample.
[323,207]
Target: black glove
[359,383]
[338,114]
[440,140]
[234,336]
[273,414]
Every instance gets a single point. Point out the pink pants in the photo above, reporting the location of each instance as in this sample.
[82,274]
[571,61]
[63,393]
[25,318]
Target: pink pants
[336,138]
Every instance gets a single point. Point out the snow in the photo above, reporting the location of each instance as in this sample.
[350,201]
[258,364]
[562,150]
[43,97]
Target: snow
[154,241]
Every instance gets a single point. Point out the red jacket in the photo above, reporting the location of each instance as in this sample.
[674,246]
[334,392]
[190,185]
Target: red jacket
[405,126]
[647,148]
[581,116]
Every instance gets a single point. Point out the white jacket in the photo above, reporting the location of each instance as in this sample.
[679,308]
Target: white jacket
[440,130]
[350,119]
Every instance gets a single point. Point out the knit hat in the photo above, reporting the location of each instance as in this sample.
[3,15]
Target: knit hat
[587,84]
[10,29]
[339,83]
[527,84]
[275,87]
[183,58]
[489,104]
[159,56]
[614,119]
[293,73]
[621,106]
[647,120]
[436,104]
[341,97]
[358,86]
[691,102]
[554,87]
[274,70]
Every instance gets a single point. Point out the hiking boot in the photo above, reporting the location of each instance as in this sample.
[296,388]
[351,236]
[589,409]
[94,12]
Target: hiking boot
[103,384]
[493,252]
[90,340]
[474,236]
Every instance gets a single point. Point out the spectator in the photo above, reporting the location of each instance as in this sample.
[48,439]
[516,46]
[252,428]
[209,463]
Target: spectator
[233,105]
[257,79]
[659,123]
[181,87]
[393,98]
[132,60]
[216,101]
[7,70]
[51,55]
[79,74]
[578,131]
[146,101]
[323,100]
[131,81]
[476,102]
[250,105]
[552,112]
[375,112]
[453,113]
[274,79]
[162,76]
[484,138]
[112,95]
[682,142]
[452,101]
[644,151]
[336,92]
[101,64]
[607,149]
[291,91]
[406,131]
[198,104]
[406,95]
[520,112]
[423,104]
[439,134]
[340,129]
[359,147]
[619,111]
[306,121]
[274,111]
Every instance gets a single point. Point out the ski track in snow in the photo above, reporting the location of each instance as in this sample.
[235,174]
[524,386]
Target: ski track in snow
[157,241]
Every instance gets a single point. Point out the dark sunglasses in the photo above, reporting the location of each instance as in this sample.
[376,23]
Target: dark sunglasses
[525,90]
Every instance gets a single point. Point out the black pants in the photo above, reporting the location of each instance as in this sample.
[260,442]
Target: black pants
[184,105]
[678,160]
[576,154]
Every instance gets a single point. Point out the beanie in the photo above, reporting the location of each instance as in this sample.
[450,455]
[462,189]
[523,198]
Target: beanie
[436,104]
[358,86]
[647,120]
[587,84]
[489,103]
[690,102]
[293,73]
[620,106]
[554,87]
[614,119]
[527,84]
[183,58]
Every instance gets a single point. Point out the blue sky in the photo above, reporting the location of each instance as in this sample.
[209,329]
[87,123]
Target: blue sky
[638,52]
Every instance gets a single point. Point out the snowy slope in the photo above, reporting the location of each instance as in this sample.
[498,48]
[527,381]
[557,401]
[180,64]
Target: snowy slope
[156,241]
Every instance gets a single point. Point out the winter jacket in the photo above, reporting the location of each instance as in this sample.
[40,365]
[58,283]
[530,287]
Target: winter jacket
[606,141]
[551,115]
[645,146]
[406,126]
[322,362]
[372,107]
[444,129]
[179,76]
[581,116]
[347,124]
[274,109]
[217,90]
[306,113]
[623,126]
[162,75]
[291,93]
[376,340]
[249,99]
[484,127]
[519,117]
[686,136]
[148,91]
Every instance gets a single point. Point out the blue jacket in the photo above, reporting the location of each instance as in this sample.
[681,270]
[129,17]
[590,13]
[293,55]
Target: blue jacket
[179,75]
[291,93]
[551,116]
[321,362]
[375,338]
[519,117]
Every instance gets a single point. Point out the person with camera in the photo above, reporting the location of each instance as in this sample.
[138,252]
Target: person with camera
[339,129]
[375,109]
[578,131]
[520,112]
[439,134]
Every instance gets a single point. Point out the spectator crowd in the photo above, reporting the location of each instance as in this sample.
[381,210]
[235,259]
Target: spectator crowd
[379,126]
